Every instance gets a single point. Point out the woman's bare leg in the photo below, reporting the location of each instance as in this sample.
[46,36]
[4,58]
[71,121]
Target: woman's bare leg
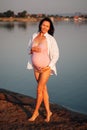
[36,113]
[42,93]
[43,78]
[39,96]
[47,104]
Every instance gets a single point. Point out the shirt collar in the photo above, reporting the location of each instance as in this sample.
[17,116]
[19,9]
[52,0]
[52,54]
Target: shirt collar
[46,34]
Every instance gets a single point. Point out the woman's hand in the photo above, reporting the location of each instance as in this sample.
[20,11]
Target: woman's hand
[44,69]
[35,49]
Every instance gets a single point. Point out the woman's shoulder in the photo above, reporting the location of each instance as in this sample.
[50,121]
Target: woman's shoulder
[49,36]
[52,38]
[34,34]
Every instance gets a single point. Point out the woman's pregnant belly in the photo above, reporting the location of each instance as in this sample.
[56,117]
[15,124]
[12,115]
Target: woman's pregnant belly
[40,59]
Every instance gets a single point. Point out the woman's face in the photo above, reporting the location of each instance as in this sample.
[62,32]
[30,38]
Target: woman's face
[45,27]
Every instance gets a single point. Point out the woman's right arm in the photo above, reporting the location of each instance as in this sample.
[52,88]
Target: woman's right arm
[29,46]
[34,48]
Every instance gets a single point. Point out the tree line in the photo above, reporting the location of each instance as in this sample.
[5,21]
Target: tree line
[10,13]
[25,14]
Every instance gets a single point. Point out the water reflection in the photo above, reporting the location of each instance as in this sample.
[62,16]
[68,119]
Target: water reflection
[11,25]
[8,26]
[71,22]
[24,25]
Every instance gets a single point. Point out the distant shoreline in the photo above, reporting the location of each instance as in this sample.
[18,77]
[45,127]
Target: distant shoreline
[12,19]
[34,19]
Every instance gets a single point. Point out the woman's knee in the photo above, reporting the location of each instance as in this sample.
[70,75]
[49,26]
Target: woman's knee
[39,90]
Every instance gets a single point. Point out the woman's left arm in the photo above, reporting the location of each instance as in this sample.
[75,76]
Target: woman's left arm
[54,53]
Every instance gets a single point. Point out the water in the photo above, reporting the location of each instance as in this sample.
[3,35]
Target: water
[69,87]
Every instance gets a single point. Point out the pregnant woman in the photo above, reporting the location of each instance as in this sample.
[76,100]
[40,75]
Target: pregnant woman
[44,53]
[40,59]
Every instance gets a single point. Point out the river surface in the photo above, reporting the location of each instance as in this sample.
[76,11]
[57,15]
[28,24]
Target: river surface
[69,87]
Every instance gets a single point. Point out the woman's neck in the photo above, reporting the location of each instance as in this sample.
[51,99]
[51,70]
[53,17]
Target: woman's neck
[41,34]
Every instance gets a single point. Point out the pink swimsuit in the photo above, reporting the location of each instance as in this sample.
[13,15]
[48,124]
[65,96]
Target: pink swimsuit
[41,59]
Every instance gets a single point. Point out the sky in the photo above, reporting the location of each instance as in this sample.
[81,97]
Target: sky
[44,6]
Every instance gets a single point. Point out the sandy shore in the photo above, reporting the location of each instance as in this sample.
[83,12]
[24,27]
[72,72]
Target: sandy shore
[15,109]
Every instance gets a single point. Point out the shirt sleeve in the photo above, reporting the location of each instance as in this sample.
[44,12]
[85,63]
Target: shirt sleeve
[54,53]
[30,42]
[29,46]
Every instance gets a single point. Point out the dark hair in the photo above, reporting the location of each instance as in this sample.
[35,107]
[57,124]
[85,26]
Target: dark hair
[51,30]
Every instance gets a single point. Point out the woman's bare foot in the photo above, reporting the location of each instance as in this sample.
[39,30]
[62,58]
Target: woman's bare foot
[48,117]
[34,116]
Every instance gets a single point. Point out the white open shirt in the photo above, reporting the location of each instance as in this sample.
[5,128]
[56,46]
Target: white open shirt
[53,52]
